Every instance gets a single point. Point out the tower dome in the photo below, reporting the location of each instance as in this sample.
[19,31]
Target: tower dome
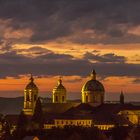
[59,92]
[59,86]
[93,90]
[93,84]
[31,84]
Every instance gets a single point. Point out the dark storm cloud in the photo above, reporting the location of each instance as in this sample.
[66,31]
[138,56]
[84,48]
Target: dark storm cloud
[13,64]
[53,19]
[80,21]
[106,58]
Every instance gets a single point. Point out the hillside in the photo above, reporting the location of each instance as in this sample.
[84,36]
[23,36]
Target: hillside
[11,105]
[15,105]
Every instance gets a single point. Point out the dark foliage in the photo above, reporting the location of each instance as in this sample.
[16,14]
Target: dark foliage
[122,133]
[20,132]
[76,133]
[38,114]
[6,131]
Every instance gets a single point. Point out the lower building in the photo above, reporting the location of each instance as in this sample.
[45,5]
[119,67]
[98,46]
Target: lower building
[104,117]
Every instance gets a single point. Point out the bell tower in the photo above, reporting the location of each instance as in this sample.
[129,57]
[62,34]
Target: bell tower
[59,93]
[121,98]
[30,97]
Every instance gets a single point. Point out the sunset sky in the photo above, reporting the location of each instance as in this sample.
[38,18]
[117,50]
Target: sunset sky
[69,38]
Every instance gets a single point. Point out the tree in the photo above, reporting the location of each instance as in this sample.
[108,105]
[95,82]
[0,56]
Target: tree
[21,126]
[38,114]
[22,121]
[6,131]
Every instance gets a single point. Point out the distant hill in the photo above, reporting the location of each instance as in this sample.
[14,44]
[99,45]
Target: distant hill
[15,105]
[11,105]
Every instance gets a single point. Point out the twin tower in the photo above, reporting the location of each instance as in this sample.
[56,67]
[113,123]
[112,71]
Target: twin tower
[92,92]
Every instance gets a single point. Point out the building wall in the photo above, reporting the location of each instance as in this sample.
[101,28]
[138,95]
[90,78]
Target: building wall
[59,96]
[30,98]
[132,115]
[105,127]
[92,97]
[61,123]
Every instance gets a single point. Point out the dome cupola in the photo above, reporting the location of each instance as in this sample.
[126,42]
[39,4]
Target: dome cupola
[59,86]
[31,84]
[93,90]
[59,92]
[93,84]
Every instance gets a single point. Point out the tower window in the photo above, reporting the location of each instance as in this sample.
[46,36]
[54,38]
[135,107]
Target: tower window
[86,98]
[35,97]
[27,97]
[63,98]
[56,98]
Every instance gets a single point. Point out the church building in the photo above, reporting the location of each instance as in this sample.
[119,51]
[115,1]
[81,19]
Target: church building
[92,111]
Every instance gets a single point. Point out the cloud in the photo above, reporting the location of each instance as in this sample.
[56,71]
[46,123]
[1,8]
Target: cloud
[13,64]
[73,79]
[106,58]
[83,22]
[136,81]
[112,22]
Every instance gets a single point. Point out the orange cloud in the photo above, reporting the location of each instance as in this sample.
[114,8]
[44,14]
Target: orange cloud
[17,34]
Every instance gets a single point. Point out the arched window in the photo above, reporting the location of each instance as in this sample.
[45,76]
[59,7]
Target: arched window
[56,98]
[86,98]
[63,98]
[27,97]
[35,97]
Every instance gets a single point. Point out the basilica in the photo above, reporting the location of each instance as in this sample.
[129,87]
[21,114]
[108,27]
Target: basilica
[92,111]
[92,92]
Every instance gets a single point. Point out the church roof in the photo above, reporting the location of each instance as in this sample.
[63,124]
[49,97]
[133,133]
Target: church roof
[57,107]
[103,114]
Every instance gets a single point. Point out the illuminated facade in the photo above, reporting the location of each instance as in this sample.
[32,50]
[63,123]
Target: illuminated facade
[93,91]
[61,123]
[59,93]
[30,97]
[133,115]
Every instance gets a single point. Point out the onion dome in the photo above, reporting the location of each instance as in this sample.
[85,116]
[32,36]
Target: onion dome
[93,84]
[31,84]
[59,86]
